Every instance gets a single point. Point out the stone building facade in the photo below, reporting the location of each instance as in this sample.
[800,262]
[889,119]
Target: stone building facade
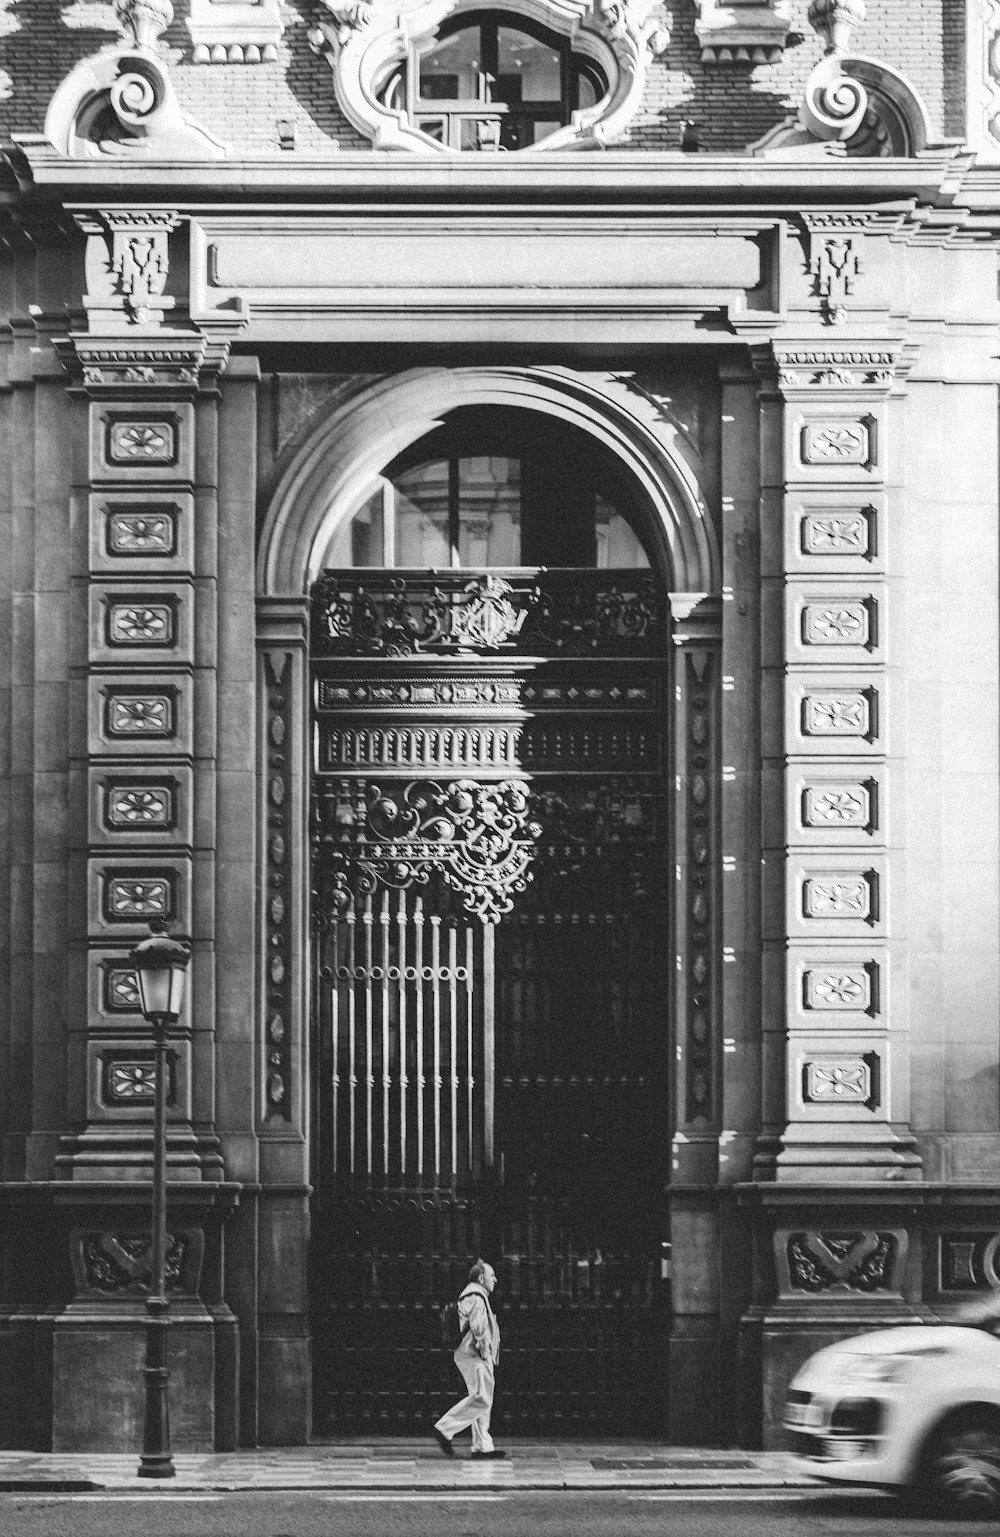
[499,519]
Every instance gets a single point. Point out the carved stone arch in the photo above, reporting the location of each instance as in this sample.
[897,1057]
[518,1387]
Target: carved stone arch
[352,446]
[321,485]
[366,39]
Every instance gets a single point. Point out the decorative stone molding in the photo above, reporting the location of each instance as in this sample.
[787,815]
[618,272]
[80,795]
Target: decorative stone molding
[742,33]
[365,40]
[235,31]
[839,988]
[836,805]
[161,362]
[139,261]
[696,872]
[134,714]
[838,1081]
[135,535]
[982,43]
[127,266]
[151,441]
[834,1263]
[117,1263]
[277,899]
[146,805]
[838,442]
[826,534]
[969,1261]
[844,713]
[127,899]
[120,101]
[835,261]
[852,369]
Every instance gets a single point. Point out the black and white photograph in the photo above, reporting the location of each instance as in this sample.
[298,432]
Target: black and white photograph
[499,768]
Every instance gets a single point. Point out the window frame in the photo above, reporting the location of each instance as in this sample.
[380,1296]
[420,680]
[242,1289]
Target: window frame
[483,109]
[477,436]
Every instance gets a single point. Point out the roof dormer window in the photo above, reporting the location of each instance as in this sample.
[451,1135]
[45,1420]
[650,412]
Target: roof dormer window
[493,80]
[449,76]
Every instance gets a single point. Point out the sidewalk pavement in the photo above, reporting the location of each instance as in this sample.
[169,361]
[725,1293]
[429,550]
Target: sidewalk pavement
[414,1464]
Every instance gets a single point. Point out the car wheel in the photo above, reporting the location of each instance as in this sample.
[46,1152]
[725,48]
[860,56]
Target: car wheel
[961,1467]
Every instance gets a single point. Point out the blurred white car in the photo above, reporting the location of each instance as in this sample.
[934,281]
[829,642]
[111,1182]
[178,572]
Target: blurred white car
[915,1407]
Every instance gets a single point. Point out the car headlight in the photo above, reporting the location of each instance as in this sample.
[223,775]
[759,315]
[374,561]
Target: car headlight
[884,1368]
[876,1368]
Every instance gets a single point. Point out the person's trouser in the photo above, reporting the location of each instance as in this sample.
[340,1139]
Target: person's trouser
[474,1410]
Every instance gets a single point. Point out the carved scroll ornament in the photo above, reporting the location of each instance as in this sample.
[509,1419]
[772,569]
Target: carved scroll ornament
[365,40]
[850,97]
[120,101]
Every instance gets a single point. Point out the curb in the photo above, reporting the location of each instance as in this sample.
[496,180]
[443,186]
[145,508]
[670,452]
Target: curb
[48,1485]
[173,1485]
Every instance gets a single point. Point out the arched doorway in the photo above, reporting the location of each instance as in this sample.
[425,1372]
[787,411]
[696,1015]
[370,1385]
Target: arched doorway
[374,1325]
[491,907]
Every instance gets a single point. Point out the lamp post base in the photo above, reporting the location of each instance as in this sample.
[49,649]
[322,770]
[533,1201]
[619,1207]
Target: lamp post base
[156,1467]
[156,1460]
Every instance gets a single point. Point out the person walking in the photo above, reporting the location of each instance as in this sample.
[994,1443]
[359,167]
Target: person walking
[476,1358]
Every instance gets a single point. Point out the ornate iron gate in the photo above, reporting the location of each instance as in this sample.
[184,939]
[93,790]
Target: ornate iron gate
[492,975]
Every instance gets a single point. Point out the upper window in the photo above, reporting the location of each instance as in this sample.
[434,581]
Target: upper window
[492,80]
[498,488]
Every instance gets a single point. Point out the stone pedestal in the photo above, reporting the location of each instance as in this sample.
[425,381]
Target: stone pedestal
[83,1345]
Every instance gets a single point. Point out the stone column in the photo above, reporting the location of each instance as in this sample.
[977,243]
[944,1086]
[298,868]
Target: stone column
[834,1210]
[827,625]
[144,793]
[284,1344]
[694,1220]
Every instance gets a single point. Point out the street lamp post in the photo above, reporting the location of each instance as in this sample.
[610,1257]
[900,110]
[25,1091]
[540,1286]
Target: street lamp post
[161,966]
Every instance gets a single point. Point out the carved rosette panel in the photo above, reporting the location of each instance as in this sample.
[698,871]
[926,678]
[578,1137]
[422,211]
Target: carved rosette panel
[277,895]
[129,713]
[837,532]
[128,1077]
[132,535]
[141,442]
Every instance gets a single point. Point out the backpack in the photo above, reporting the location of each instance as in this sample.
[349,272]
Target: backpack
[451,1326]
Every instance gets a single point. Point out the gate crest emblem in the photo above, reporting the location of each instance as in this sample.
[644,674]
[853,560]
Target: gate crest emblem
[488,618]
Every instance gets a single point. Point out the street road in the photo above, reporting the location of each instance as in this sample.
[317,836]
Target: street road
[320,1513]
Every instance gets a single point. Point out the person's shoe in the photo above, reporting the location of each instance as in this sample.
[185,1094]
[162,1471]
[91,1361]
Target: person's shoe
[443,1442]
[492,1456]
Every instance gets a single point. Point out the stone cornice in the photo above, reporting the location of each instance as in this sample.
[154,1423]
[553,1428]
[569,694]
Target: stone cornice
[805,368]
[173,363]
[941,178]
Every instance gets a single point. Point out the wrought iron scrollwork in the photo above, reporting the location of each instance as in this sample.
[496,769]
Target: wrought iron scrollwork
[578,613]
[479,836]
[483,838]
